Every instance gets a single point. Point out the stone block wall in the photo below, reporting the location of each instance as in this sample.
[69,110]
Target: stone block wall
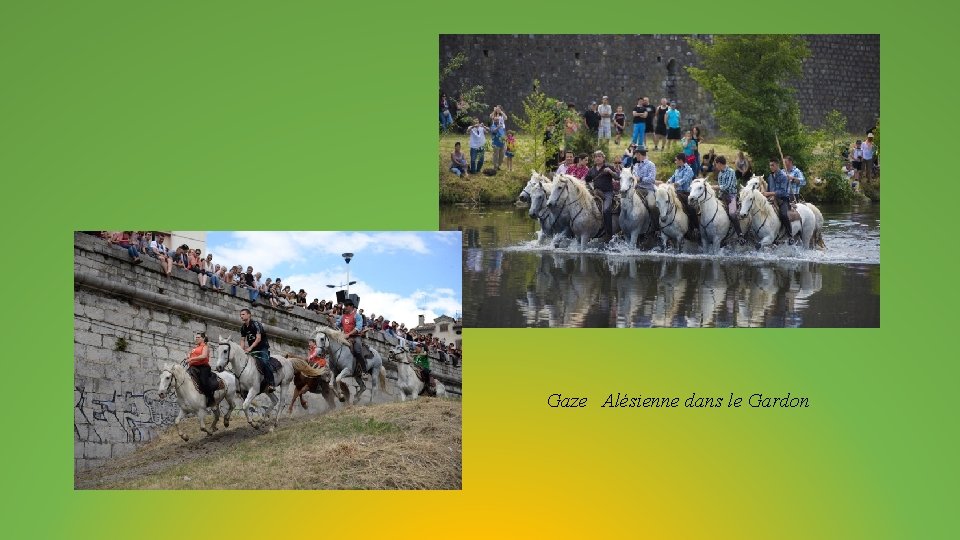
[842,73]
[128,317]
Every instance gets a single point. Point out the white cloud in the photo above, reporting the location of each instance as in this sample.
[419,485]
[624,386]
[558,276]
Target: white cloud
[430,303]
[266,250]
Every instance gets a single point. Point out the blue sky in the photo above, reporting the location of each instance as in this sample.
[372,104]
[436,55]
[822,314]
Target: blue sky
[399,274]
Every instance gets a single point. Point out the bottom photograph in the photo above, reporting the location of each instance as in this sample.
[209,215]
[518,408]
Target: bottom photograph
[267,360]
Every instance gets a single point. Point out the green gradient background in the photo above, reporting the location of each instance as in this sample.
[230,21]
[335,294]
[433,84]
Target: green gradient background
[188,115]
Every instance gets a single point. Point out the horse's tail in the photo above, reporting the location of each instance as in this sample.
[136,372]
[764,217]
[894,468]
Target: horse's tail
[383,380]
[301,367]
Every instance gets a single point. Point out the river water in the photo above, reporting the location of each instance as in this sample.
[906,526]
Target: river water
[510,280]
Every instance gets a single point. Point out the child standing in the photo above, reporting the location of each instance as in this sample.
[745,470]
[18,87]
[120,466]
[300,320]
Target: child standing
[511,148]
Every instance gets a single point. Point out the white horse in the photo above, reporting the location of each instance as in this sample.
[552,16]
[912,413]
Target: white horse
[536,192]
[191,400]
[576,204]
[634,217]
[244,366]
[714,221]
[764,221]
[673,219]
[340,361]
[408,383]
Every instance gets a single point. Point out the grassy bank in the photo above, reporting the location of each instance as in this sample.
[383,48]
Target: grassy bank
[412,445]
[505,186]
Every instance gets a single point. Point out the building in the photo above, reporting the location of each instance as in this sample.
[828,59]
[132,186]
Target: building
[444,327]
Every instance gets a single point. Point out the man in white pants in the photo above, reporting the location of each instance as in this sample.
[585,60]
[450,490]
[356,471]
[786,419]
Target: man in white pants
[606,112]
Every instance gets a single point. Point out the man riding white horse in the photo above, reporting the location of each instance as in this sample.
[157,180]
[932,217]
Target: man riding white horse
[727,179]
[645,171]
[352,325]
[257,345]
[681,178]
[779,185]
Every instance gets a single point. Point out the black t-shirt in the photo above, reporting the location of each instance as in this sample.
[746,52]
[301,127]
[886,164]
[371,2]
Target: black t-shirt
[593,119]
[601,180]
[661,116]
[619,119]
[249,332]
[248,278]
[651,111]
[637,120]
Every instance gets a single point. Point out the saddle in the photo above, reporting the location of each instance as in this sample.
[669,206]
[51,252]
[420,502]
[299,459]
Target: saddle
[275,367]
[598,198]
[199,387]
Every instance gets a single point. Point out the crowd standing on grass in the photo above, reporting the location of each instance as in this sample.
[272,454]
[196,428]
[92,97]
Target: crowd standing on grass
[656,128]
[249,285]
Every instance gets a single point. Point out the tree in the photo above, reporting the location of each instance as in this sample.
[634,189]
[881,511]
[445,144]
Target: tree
[543,120]
[471,96]
[754,103]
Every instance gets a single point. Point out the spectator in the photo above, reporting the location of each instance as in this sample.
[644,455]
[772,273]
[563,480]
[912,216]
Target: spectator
[744,169]
[446,119]
[458,162]
[314,306]
[689,149]
[231,280]
[497,140]
[868,155]
[673,125]
[695,132]
[857,158]
[302,298]
[707,165]
[158,250]
[195,263]
[478,141]
[125,240]
[627,159]
[511,149]
[605,116]
[651,113]
[660,131]
[619,122]
[639,123]
[591,118]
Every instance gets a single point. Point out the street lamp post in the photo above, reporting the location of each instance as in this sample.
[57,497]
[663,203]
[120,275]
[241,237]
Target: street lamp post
[346,257]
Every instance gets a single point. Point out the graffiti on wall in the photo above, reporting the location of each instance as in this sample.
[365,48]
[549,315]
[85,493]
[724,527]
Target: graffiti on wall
[101,417]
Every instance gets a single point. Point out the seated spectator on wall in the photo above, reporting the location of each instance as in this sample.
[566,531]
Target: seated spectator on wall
[302,298]
[159,251]
[126,240]
[195,263]
[314,306]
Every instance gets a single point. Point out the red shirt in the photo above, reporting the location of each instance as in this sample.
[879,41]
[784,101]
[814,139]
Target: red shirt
[205,361]
[348,322]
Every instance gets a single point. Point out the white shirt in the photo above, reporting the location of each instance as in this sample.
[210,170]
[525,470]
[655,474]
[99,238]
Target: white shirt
[605,111]
[478,137]
[157,247]
[562,169]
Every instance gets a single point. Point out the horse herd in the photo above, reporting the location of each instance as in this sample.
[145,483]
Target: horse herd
[240,381]
[565,208]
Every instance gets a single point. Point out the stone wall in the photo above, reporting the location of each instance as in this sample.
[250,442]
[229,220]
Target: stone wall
[128,317]
[843,72]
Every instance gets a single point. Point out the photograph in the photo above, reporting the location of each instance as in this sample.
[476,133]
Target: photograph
[267,360]
[695,180]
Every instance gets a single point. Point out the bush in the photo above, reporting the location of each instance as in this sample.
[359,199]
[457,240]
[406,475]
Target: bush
[836,187]
[585,142]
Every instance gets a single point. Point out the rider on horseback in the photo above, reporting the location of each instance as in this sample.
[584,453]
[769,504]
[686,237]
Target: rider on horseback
[780,188]
[645,171]
[352,324]
[256,345]
[601,177]
[681,178]
[422,361]
[727,179]
[199,361]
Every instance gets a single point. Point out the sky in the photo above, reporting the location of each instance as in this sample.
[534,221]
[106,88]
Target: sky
[399,274]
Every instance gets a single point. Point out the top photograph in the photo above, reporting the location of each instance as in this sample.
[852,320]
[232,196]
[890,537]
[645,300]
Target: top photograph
[663,180]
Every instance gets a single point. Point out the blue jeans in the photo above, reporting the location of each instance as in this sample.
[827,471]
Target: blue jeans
[457,170]
[639,131]
[233,290]
[254,294]
[445,119]
[263,358]
[214,280]
[476,160]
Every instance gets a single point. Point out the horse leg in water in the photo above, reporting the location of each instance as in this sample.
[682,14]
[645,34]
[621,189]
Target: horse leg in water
[179,429]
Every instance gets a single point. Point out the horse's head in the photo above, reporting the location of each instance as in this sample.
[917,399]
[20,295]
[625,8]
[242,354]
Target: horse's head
[536,195]
[166,377]
[224,353]
[698,191]
[756,183]
[560,186]
[525,192]
[397,351]
[663,202]
[626,179]
[747,199]
[323,342]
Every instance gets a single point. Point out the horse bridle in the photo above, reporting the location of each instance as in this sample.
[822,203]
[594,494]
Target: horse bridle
[706,197]
[229,347]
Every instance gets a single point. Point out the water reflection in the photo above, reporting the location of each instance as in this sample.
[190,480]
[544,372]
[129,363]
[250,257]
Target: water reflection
[543,288]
